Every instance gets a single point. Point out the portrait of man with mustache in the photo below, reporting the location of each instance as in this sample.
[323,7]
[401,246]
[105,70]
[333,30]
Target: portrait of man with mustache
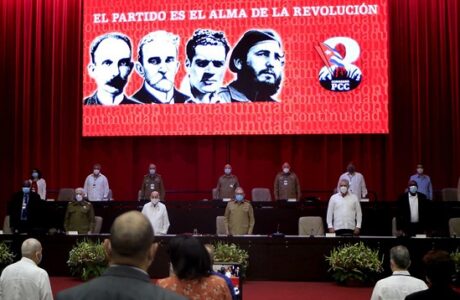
[158,65]
[258,61]
[110,67]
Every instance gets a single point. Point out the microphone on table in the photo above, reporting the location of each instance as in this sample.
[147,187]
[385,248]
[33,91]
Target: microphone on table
[278,233]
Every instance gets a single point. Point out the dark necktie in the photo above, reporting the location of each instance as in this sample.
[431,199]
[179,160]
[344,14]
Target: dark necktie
[25,201]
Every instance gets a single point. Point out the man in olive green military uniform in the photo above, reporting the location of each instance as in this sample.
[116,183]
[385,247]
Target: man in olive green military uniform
[227,184]
[152,182]
[79,215]
[287,184]
[239,215]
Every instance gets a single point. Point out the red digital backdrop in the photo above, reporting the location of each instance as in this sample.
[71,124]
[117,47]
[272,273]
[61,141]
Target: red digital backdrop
[346,38]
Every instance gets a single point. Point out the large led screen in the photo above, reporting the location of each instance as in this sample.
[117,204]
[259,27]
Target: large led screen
[234,67]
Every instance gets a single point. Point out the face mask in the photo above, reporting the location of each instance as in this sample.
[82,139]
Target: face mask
[239,197]
[413,189]
[286,170]
[25,190]
[420,170]
[96,172]
[152,171]
[78,197]
[343,189]
[227,171]
[35,175]
[154,200]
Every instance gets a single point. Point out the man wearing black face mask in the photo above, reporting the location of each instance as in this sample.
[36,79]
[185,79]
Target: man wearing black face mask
[110,67]
[412,211]
[24,210]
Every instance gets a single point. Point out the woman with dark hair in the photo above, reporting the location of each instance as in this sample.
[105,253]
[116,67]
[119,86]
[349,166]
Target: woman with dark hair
[192,271]
[38,184]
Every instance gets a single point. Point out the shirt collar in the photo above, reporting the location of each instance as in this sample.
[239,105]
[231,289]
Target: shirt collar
[401,273]
[28,260]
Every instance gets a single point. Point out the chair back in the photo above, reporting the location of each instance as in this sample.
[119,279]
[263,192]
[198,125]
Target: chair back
[261,195]
[311,226]
[220,225]
[66,194]
[449,194]
[454,226]
[6,225]
[97,224]
[394,228]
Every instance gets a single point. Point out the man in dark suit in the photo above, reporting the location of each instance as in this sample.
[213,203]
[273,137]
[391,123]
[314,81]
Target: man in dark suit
[110,67]
[158,65]
[25,210]
[130,250]
[412,212]
[439,269]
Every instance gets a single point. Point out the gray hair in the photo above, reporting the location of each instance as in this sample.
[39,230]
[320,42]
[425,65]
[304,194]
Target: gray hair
[30,247]
[400,256]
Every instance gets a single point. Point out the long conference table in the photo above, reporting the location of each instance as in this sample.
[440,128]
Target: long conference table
[288,258]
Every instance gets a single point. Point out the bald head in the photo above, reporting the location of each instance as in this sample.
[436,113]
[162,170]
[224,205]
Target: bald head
[32,249]
[131,237]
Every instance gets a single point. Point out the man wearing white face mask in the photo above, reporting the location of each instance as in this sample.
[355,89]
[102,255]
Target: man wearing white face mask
[412,211]
[287,184]
[96,185]
[227,184]
[79,215]
[152,182]
[157,214]
[24,279]
[344,214]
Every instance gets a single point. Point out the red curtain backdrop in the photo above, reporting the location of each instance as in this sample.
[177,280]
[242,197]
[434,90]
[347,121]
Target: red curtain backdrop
[41,58]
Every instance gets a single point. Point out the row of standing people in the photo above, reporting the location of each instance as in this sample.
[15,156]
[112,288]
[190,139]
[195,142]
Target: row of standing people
[286,184]
[344,215]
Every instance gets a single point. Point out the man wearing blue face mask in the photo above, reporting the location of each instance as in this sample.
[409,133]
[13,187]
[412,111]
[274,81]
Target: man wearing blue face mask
[227,184]
[24,210]
[239,215]
[412,211]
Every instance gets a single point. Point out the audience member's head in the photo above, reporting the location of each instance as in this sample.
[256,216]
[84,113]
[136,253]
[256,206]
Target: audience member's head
[131,241]
[189,258]
[399,258]
[32,249]
[439,267]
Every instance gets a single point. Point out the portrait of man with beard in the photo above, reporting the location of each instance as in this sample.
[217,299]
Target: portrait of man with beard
[110,67]
[258,61]
[158,65]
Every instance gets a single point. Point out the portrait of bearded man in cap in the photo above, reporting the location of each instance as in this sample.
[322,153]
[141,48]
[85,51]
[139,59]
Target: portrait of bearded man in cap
[258,61]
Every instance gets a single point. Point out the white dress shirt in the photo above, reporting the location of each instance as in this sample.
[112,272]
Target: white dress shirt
[96,187]
[357,184]
[397,286]
[158,216]
[25,280]
[344,212]
[413,204]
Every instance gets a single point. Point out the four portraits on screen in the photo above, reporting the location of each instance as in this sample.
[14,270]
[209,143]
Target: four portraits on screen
[257,61]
